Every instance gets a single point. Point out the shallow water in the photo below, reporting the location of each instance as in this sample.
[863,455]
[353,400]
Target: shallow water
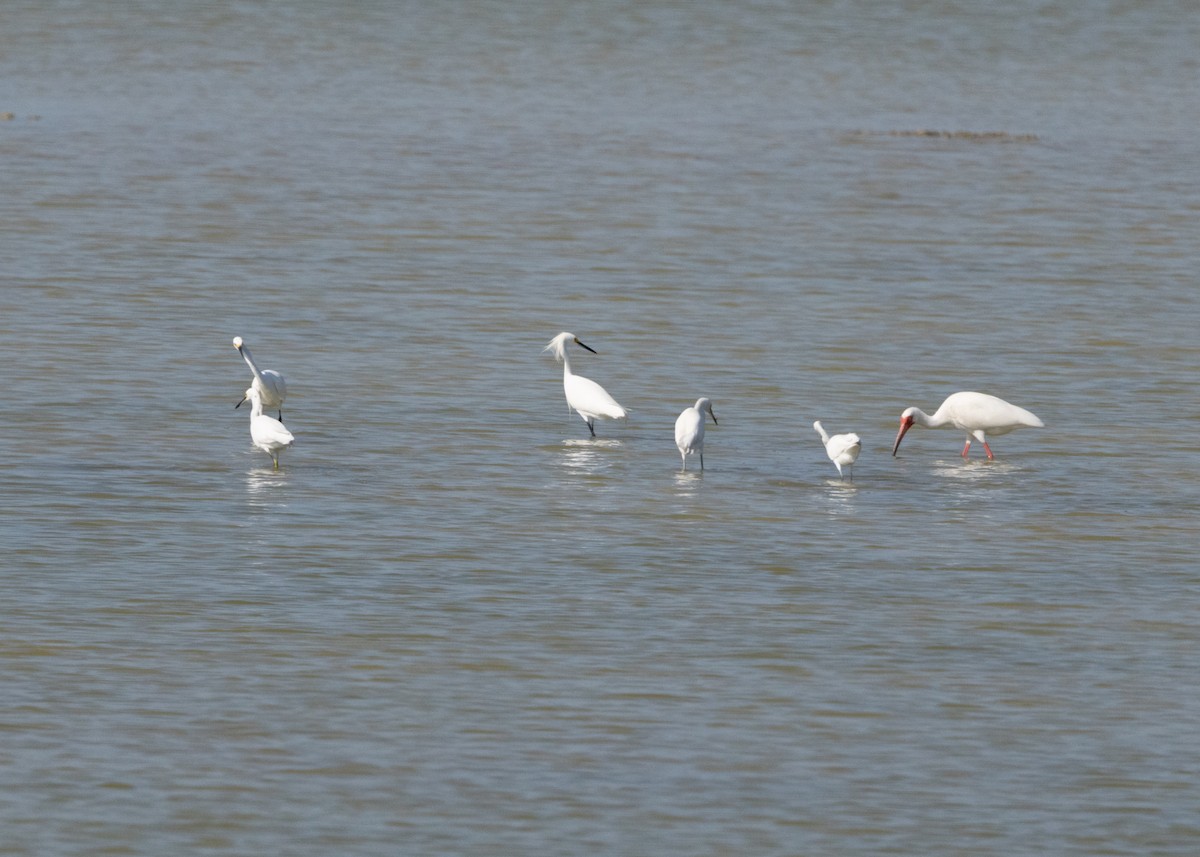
[452,622]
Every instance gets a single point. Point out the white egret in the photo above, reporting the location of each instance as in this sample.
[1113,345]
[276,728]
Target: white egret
[268,382]
[268,433]
[587,397]
[978,414]
[689,430]
[842,449]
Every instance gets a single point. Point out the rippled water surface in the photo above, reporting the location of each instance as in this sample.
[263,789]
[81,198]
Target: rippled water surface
[452,622]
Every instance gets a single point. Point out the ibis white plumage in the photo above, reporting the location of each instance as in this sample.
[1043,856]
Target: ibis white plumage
[270,384]
[588,398]
[267,433]
[689,430]
[977,414]
[842,449]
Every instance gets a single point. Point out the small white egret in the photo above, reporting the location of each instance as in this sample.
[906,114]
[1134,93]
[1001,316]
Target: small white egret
[269,383]
[268,433]
[842,449]
[689,430]
[978,414]
[587,397]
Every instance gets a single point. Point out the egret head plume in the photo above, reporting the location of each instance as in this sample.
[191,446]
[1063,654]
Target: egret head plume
[558,345]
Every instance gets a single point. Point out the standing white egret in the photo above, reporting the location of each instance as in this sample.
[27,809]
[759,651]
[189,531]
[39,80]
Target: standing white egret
[689,430]
[269,383]
[587,397]
[268,433]
[978,414]
[842,449]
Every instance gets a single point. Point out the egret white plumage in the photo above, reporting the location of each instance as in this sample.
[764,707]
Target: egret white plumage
[267,433]
[842,449]
[977,414]
[689,430]
[269,383]
[587,397]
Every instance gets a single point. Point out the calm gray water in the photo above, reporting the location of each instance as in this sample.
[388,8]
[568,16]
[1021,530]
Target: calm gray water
[454,624]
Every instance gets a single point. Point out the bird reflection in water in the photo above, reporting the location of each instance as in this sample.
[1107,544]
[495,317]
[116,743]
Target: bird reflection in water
[262,488]
[588,456]
[971,469]
[840,497]
[688,482]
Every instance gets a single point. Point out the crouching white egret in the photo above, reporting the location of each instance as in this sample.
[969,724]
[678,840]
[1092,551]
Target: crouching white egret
[267,433]
[978,414]
[269,383]
[587,397]
[842,449]
[689,430]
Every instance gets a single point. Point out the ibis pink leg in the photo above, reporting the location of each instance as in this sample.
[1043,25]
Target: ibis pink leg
[989,451]
[966,448]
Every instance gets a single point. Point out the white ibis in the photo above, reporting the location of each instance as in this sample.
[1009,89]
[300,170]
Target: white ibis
[978,414]
[842,449]
[267,433]
[269,383]
[587,397]
[689,430]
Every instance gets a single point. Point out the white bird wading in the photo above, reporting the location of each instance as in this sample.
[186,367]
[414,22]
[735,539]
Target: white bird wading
[689,430]
[842,449]
[272,389]
[267,433]
[588,398]
[977,414]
